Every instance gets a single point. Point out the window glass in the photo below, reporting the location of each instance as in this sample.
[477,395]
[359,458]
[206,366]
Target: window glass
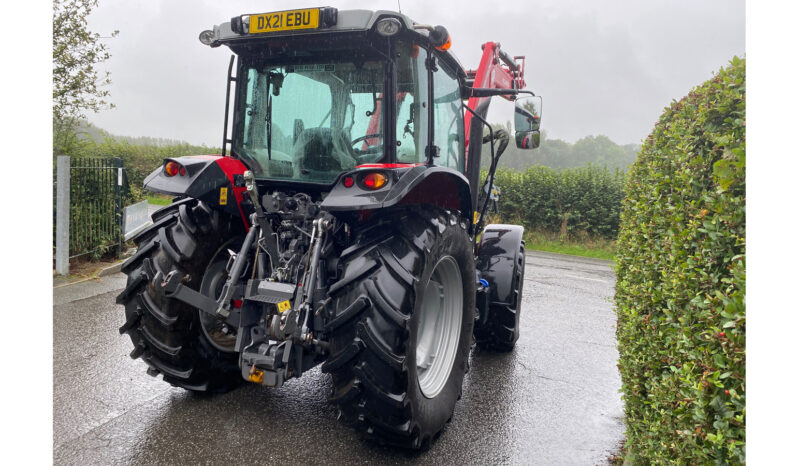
[412,104]
[311,121]
[448,111]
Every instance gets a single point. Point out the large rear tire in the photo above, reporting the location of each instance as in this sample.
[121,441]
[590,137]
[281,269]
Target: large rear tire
[402,323]
[166,333]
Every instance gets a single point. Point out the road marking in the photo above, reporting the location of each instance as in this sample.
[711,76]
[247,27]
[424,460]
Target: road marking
[585,278]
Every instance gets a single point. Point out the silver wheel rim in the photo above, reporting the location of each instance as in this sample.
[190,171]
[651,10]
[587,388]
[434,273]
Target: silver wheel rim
[219,334]
[441,316]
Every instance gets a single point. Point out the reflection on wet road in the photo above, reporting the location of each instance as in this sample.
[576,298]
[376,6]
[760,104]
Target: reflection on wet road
[554,400]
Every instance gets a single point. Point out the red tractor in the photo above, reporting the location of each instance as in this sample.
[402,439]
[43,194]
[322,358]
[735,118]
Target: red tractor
[345,225]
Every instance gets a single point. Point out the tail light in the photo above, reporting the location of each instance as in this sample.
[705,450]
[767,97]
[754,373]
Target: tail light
[172,168]
[374,180]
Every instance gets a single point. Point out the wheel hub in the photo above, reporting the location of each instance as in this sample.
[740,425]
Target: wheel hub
[221,336]
[439,326]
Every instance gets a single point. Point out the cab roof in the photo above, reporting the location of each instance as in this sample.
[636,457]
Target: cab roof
[331,20]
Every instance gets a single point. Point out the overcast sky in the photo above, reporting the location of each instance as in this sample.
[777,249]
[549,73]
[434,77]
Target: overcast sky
[602,67]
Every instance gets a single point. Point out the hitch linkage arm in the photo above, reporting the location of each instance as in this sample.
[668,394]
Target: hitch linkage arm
[260,224]
[239,263]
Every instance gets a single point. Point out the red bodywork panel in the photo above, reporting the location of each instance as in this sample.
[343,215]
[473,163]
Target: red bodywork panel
[492,73]
[389,165]
[232,167]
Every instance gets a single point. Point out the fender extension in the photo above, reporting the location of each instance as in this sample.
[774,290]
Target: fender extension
[407,184]
[213,179]
[496,264]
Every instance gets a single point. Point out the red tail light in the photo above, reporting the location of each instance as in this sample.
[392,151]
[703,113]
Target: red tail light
[172,168]
[375,180]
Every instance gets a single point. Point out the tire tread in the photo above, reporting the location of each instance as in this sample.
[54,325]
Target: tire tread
[372,310]
[166,333]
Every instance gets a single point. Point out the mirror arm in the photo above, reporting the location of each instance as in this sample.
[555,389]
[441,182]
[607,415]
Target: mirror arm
[491,172]
[469,92]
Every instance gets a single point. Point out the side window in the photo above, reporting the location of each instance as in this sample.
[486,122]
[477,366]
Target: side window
[412,104]
[255,99]
[406,128]
[448,111]
[358,105]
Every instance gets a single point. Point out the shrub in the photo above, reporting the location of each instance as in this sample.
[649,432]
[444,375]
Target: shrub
[680,292]
[574,202]
[140,160]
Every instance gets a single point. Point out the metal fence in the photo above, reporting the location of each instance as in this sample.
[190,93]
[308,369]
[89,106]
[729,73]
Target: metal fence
[98,188]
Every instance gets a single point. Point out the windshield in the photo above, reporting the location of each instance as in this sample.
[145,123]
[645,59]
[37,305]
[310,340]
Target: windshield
[310,121]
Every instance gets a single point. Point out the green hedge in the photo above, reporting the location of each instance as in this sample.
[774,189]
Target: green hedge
[680,292]
[140,160]
[574,201]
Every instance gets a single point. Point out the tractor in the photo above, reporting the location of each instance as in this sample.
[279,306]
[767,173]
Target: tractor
[342,224]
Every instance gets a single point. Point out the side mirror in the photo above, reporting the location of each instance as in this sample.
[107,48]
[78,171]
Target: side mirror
[527,140]
[527,122]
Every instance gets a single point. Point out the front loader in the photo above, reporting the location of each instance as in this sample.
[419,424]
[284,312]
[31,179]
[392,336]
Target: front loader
[342,224]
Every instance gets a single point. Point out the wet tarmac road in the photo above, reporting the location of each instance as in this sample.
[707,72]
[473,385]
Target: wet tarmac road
[554,400]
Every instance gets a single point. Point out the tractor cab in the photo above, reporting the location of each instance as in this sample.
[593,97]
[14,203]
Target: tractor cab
[320,92]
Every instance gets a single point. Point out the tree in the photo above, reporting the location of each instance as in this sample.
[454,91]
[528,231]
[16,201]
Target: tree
[77,85]
[599,150]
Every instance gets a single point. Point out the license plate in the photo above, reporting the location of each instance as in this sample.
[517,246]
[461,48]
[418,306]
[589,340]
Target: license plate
[284,21]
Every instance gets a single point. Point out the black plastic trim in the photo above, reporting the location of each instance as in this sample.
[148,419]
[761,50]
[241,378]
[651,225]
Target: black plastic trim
[401,182]
[203,180]
[496,254]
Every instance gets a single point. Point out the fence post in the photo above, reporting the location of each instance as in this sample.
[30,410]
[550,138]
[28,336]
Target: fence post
[62,216]
[117,162]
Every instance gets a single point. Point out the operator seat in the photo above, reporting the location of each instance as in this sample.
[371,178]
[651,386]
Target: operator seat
[318,152]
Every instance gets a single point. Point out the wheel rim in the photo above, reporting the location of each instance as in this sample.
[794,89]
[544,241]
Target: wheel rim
[213,327]
[439,326]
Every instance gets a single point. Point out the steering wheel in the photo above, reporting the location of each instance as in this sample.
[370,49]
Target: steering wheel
[366,154]
[365,139]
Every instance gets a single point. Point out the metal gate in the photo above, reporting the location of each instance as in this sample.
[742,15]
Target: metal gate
[97,191]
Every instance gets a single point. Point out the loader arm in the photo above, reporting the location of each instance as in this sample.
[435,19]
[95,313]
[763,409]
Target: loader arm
[497,70]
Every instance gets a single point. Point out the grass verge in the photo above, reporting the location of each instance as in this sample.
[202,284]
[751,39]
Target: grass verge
[81,269]
[575,245]
[158,199]
[586,247]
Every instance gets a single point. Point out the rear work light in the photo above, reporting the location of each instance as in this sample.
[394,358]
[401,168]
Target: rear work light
[374,180]
[388,27]
[172,168]
[207,37]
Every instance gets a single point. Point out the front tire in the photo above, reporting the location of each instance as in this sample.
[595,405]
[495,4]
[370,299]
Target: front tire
[166,333]
[401,329]
[503,326]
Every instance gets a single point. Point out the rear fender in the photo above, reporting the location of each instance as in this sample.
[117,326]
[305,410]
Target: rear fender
[407,184]
[213,179]
[497,255]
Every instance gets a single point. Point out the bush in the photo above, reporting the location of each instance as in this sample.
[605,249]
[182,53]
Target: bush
[140,160]
[573,202]
[680,292]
